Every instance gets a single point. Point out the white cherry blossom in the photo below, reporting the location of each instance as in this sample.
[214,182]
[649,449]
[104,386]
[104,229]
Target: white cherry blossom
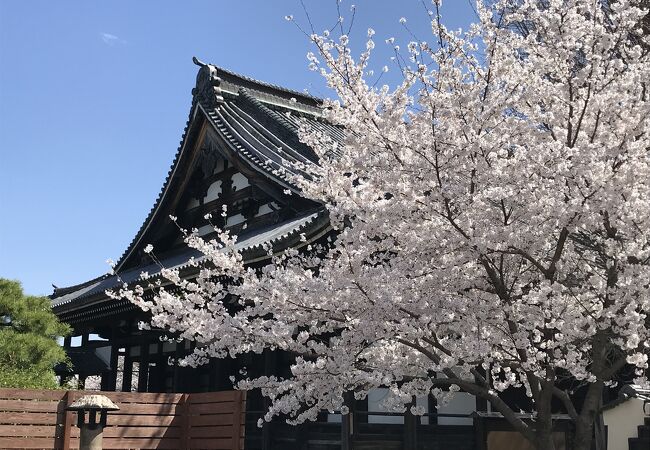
[492,218]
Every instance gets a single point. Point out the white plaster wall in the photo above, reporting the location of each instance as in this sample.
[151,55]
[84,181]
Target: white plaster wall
[375,397]
[461,403]
[234,220]
[213,192]
[239,182]
[622,422]
[267,208]
[205,229]
[96,337]
[264,209]
[334,418]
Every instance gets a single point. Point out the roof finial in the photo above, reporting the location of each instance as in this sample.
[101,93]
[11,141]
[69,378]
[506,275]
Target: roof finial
[207,89]
[198,62]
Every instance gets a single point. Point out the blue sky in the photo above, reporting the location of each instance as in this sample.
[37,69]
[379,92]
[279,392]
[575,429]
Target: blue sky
[94,97]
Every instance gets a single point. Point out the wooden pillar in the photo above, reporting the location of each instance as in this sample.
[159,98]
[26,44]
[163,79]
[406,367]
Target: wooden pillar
[300,433]
[177,385]
[481,403]
[433,410]
[347,422]
[480,435]
[410,428]
[67,342]
[143,373]
[112,379]
[270,368]
[84,344]
[127,375]
[213,374]
[157,376]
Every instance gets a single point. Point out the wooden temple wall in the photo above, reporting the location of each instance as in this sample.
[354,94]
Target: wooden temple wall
[36,419]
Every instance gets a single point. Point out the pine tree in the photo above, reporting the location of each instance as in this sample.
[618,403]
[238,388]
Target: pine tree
[28,334]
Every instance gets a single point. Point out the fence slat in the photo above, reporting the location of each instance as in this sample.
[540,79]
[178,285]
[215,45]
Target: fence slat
[28,406]
[27,430]
[136,432]
[212,420]
[27,418]
[138,397]
[122,443]
[144,420]
[214,444]
[31,394]
[162,409]
[210,432]
[26,443]
[214,397]
[210,408]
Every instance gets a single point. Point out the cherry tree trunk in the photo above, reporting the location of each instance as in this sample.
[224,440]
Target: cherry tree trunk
[545,442]
[585,422]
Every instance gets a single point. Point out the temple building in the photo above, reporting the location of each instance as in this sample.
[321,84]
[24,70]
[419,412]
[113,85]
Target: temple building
[240,140]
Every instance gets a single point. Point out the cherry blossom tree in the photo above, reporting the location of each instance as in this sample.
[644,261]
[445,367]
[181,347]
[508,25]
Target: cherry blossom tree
[492,220]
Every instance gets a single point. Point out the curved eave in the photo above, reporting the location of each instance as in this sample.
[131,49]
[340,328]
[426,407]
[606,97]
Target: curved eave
[295,233]
[229,77]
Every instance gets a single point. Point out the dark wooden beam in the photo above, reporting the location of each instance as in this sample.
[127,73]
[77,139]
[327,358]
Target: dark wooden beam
[112,381]
[143,374]
[348,422]
[127,374]
[410,428]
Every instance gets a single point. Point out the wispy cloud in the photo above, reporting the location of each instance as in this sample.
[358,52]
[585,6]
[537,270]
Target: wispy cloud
[111,39]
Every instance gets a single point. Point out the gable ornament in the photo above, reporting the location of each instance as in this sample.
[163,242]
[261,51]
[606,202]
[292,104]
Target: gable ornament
[207,90]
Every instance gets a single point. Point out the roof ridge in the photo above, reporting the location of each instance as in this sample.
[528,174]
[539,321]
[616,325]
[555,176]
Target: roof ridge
[58,291]
[221,70]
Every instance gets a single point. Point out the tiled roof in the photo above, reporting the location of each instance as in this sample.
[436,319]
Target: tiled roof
[260,123]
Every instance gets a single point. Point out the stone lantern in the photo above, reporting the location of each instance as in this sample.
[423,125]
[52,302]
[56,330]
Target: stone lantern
[91,430]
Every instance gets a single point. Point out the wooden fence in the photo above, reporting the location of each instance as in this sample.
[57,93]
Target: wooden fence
[34,419]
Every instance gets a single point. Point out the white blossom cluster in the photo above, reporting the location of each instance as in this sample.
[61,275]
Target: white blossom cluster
[492,216]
